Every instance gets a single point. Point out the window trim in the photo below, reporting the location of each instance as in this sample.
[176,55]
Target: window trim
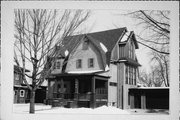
[91,63]
[79,63]
[23,93]
[16,76]
[58,64]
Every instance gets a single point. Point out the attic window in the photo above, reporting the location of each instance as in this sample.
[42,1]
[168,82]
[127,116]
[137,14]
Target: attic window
[85,44]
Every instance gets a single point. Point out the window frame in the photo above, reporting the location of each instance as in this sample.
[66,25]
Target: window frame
[79,63]
[22,95]
[16,76]
[58,64]
[91,63]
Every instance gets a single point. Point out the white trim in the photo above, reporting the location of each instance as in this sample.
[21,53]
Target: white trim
[23,93]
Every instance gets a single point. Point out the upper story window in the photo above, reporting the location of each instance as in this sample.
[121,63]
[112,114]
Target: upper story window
[131,50]
[57,64]
[85,44]
[90,62]
[79,63]
[16,76]
[130,75]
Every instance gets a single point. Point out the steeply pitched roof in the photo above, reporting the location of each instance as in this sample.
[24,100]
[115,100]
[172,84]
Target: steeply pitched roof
[127,36]
[107,38]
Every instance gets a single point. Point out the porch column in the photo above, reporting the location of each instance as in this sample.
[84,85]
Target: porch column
[55,89]
[76,89]
[143,101]
[93,97]
[131,101]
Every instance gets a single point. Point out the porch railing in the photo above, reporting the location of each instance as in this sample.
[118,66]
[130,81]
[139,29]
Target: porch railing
[100,95]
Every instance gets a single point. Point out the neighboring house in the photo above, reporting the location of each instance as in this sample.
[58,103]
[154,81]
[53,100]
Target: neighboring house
[94,69]
[20,89]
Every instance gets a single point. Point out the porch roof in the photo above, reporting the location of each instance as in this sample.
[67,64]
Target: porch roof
[78,74]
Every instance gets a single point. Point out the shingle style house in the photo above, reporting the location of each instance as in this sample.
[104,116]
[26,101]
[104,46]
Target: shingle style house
[94,69]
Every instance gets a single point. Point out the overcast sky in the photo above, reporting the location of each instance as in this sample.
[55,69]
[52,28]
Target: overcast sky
[109,19]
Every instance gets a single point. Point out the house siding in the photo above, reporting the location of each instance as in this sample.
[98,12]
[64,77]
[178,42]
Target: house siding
[112,90]
[84,55]
[114,54]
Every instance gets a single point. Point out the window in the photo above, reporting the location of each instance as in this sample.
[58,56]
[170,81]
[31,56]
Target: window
[79,63]
[85,44]
[127,74]
[130,75]
[131,50]
[16,76]
[57,64]
[22,92]
[113,84]
[90,62]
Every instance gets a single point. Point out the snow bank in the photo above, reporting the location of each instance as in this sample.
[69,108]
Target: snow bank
[100,110]
[40,108]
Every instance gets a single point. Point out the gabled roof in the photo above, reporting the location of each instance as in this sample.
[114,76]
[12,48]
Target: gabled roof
[127,36]
[107,39]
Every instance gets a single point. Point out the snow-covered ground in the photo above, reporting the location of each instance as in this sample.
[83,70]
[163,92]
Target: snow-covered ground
[41,108]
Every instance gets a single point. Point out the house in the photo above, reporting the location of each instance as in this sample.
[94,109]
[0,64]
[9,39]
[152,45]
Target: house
[20,89]
[94,69]
[22,92]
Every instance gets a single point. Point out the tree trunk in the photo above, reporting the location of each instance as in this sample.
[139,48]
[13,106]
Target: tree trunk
[32,101]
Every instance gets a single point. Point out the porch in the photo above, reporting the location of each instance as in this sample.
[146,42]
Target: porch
[78,91]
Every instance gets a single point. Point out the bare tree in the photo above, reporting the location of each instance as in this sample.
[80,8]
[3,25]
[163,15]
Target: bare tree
[145,79]
[151,79]
[162,67]
[155,34]
[37,31]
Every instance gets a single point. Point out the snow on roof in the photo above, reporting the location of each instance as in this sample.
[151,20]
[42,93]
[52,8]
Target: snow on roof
[103,47]
[81,72]
[125,37]
[45,83]
[107,68]
[151,88]
[122,60]
[20,86]
[66,53]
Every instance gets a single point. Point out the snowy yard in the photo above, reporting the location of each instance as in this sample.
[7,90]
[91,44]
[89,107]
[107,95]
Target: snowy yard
[41,108]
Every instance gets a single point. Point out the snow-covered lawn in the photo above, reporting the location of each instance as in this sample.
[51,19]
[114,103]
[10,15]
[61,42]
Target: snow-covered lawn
[41,108]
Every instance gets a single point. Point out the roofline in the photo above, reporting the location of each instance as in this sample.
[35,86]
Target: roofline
[75,74]
[150,88]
